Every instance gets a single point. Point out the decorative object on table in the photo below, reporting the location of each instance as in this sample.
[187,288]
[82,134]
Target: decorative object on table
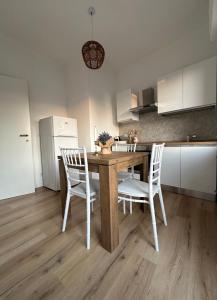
[132,136]
[92,51]
[105,141]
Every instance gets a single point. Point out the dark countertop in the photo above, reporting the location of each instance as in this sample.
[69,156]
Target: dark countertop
[181,143]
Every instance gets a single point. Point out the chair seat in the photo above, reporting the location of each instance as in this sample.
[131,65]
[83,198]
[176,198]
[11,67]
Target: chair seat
[80,189]
[124,175]
[135,188]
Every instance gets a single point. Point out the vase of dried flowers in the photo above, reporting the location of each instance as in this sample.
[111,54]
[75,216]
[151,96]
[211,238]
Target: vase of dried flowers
[105,142]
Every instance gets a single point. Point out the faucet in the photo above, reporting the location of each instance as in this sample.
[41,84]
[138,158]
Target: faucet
[192,137]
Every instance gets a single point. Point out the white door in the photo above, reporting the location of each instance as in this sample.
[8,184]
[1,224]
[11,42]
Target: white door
[198,169]
[170,170]
[199,84]
[64,126]
[16,164]
[169,93]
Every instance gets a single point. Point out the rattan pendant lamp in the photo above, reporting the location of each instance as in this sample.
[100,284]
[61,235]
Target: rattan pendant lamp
[92,51]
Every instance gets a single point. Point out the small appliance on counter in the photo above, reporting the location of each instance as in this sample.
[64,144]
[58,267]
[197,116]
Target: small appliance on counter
[117,138]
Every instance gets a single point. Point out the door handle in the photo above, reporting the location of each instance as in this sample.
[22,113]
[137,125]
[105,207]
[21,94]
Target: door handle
[24,135]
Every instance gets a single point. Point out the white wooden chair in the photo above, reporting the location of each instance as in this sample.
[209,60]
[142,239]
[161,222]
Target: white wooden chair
[124,175]
[76,167]
[133,190]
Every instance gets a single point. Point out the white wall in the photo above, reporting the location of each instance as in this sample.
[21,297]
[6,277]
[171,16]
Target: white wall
[102,102]
[78,100]
[188,49]
[46,88]
[90,94]
[91,99]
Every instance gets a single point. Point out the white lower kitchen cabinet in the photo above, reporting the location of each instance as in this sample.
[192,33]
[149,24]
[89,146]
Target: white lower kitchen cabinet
[170,172]
[198,169]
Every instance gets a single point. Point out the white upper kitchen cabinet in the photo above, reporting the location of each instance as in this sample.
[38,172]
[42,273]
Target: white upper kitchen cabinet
[199,84]
[191,87]
[170,169]
[169,92]
[126,100]
[198,169]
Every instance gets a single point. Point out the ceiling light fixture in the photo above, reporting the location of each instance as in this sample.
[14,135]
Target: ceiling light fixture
[93,52]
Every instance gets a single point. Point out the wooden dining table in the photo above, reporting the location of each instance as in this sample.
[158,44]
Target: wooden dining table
[108,165]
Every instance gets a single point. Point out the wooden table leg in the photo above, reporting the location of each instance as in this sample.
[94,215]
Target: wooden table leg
[63,187]
[109,207]
[144,170]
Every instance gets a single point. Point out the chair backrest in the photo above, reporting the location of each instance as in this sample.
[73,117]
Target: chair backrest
[124,147]
[155,164]
[76,166]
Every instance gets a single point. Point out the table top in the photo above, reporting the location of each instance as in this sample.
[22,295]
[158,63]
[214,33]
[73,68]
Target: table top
[114,157]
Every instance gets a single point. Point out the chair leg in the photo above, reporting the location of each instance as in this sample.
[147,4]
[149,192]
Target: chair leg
[124,207]
[153,218]
[162,206]
[88,224]
[131,206]
[66,212]
[132,172]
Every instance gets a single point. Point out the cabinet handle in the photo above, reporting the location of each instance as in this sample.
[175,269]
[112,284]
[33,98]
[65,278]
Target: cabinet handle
[24,135]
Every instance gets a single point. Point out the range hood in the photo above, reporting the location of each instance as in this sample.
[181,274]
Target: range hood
[148,103]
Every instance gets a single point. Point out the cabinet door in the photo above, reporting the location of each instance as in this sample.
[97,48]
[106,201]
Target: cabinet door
[199,84]
[64,126]
[169,90]
[125,101]
[198,169]
[170,170]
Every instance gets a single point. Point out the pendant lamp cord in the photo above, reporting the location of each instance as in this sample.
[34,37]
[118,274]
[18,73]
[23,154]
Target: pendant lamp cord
[91,26]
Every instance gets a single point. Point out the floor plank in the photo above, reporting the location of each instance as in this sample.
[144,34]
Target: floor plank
[37,261]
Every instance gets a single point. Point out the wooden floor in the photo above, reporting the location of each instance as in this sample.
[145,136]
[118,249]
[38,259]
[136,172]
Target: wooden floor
[39,262]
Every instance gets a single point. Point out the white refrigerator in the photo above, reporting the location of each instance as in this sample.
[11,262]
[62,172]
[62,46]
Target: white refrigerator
[55,132]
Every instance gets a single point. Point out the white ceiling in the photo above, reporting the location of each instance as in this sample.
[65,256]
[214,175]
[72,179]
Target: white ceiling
[128,29]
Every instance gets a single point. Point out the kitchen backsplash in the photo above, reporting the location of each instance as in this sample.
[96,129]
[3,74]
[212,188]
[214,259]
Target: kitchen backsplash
[154,127]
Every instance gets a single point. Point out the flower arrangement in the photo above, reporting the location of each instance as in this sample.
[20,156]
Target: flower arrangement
[104,137]
[105,141]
